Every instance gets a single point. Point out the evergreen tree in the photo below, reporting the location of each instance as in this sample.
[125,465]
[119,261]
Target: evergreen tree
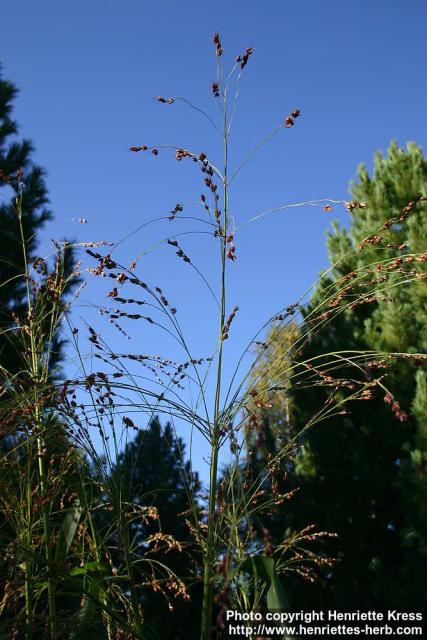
[364,475]
[23,189]
[18,174]
[153,472]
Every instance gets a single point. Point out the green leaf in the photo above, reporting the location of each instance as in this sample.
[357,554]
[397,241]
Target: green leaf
[87,568]
[264,568]
[89,610]
[67,530]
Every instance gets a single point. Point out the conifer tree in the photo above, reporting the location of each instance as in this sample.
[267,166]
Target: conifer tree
[364,474]
[18,174]
[154,473]
[23,213]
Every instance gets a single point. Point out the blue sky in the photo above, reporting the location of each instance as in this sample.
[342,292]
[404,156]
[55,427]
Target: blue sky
[89,72]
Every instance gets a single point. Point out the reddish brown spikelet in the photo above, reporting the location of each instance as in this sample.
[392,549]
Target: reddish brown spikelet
[374,239]
[129,423]
[215,89]
[165,100]
[268,544]
[231,252]
[178,207]
[402,416]
[290,120]
[351,206]
[217,43]
[228,322]
[396,408]
[136,149]
[182,153]
[244,59]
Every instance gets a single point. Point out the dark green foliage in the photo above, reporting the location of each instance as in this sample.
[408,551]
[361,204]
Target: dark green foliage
[364,475]
[153,472]
[23,196]
[16,157]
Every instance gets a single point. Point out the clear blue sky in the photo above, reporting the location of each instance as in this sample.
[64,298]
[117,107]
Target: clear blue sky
[88,73]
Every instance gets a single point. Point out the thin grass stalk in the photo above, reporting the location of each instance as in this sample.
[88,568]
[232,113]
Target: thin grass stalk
[28,580]
[39,440]
[124,534]
[105,614]
[28,568]
[213,475]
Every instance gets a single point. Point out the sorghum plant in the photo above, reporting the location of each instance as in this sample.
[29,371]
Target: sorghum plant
[81,554]
[239,568]
[38,463]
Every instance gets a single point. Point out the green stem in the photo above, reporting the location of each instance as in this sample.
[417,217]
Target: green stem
[28,568]
[209,558]
[28,603]
[105,615]
[131,577]
[51,587]
[39,438]
[210,550]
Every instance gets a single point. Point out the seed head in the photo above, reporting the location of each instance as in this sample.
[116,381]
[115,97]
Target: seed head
[165,100]
[217,43]
[20,177]
[228,322]
[244,58]
[182,153]
[231,253]
[290,120]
